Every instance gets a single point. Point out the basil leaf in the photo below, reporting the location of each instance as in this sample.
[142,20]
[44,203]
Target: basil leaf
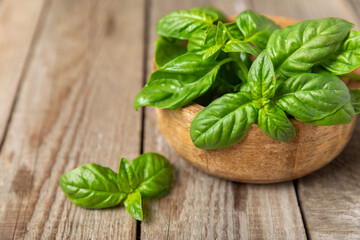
[224,122]
[166,51]
[155,174]
[256,28]
[133,204]
[343,115]
[182,24]
[262,80]
[216,13]
[233,31]
[274,122]
[355,99]
[297,48]
[309,96]
[241,64]
[127,177]
[178,82]
[220,39]
[92,186]
[236,45]
[347,58]
[201,41]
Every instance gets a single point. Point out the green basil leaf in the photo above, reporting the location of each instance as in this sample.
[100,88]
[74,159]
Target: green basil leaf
[155,174]
[355,99]
[166,51]
[233,31]
[127,177]
[178,82]
[262,80]
[182,24]
[92,186]
[274,122]
[256,28]
[236,45]
[201,41]
[216,13]
[241,64]
[343,115]
[297,48]
[223,122]
[347,58]
[309,96]
[133,204]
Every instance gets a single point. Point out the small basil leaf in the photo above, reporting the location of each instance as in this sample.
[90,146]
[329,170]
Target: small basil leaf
[178,82]
[233,31]
[224,122]
[201,41]
[245,88]
[347,58]
[165,51]
[343,115]
[241,64]
[262,80]
[309,96]
[127,177]
[274,122]
[236,45]
[355,99]
[92,186]
[133,204]
[216,13]
[155,174]
[297,48]
[182,24]
[256,28]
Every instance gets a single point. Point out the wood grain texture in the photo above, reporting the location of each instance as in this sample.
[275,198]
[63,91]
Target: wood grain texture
[200,206]
[18,21]
[74,108]
[330,198]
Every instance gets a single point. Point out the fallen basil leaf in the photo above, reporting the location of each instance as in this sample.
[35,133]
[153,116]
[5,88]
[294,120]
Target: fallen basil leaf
[127,177]
[133,204]
[274,122]
[92,186]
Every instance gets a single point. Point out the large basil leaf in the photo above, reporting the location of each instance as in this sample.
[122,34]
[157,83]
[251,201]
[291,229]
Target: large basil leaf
[178,82]
[343,115]
[133,204]
[274,122]
[297,48]
[309,96]
[262,80]
[233,31]
[155,174]
[355,99]
[224,122]
[256,28]
[182,24]
[165,51]
[347,58]
[92,186]
[236,45]
[216,13]
[127,177]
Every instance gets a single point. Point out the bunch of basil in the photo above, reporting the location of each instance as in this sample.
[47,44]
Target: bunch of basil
[201,59]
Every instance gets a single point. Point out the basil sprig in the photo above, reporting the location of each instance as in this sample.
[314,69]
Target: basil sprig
[295,74]
[94,186]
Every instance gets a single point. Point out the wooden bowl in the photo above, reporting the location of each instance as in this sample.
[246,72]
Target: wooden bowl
[257,158]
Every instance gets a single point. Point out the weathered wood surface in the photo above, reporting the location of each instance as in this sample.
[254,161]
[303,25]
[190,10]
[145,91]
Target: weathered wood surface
[67,82]
[74,107]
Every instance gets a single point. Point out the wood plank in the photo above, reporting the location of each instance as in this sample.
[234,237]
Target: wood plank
[75,107]
[18,21]
[330,197]
[200,206]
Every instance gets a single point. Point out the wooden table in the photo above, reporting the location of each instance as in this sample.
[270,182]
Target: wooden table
[69,70]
